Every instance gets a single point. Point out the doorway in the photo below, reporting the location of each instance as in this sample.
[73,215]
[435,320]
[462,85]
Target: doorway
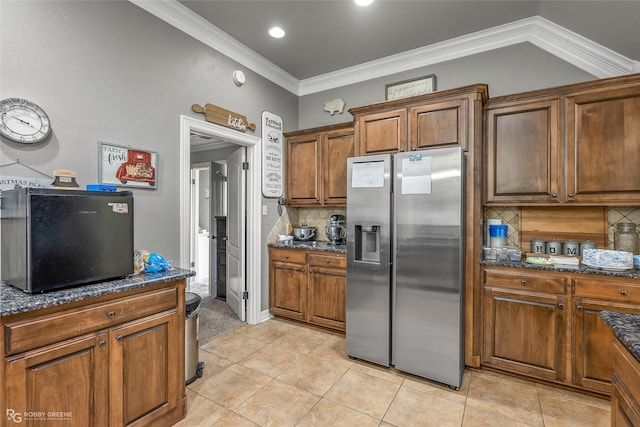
[253,243]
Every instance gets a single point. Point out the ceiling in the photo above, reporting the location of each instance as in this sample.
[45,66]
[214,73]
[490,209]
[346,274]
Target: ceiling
[327,36]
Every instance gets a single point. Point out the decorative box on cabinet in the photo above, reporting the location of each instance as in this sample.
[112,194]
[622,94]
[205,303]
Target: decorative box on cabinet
[110,362]
[316,165]
[308,286]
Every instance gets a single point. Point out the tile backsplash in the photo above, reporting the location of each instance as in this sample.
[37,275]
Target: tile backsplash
[313,217]
[510,216]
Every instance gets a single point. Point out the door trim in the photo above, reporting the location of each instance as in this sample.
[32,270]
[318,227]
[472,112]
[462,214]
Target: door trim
[254,200]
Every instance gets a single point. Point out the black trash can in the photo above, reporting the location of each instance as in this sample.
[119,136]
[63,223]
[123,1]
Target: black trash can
[193,367]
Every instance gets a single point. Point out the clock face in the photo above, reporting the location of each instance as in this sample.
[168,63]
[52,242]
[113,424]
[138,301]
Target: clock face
[23,121]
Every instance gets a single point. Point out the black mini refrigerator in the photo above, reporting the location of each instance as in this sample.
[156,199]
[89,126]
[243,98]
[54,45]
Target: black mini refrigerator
[55,239]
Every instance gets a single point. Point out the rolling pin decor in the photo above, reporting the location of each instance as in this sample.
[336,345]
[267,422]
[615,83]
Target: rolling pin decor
[221,116]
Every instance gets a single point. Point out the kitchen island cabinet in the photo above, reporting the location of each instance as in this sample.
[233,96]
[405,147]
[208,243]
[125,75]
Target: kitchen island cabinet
[111,354]
[545,322]
[316,165]
[309,285]
[625,396]
[574,144]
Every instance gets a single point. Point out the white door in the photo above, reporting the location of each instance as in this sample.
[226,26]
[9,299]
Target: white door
[236,284]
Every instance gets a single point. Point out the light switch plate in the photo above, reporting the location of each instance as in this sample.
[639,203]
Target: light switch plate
[264,210]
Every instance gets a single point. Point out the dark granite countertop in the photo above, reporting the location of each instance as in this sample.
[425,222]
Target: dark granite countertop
[314,245]
[14,300]
[633,273]
[626,327]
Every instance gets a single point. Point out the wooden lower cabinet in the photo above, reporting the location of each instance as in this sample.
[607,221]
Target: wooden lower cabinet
[524,326]
[308,286]
[127,373]
[625,395]
[547,325]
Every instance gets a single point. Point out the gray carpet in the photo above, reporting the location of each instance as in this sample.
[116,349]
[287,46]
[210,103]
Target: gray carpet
[214,319]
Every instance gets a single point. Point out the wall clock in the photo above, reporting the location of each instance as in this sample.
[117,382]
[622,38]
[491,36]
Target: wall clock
[23,121]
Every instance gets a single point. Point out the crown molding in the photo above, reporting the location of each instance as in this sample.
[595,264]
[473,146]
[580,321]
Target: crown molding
[567,45]
[185,20]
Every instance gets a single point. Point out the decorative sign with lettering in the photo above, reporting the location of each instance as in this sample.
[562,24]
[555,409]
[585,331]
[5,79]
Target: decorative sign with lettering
[8,182]
[271,155]
[412,87]
[223,117]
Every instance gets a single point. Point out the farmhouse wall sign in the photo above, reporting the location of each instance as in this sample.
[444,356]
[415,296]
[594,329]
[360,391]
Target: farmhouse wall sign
[223,117]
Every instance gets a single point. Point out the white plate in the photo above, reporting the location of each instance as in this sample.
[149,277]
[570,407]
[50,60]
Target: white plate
[607,268]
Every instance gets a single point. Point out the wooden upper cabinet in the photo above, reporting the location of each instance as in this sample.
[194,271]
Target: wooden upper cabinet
[575,144]
[303,183]
[604,146]
[337,146]
[317,165]
[522,148]
[383,132]
[440,124]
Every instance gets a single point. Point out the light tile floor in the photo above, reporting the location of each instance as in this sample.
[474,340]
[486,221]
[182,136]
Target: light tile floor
[283,374]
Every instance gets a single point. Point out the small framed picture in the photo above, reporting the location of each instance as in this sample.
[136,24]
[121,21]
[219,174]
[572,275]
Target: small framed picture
[126,166]
[411,87]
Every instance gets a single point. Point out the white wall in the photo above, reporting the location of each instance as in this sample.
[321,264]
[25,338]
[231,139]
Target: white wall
[508,70]
[110,71]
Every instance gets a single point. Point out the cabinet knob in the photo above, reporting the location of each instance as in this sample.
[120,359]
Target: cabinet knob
[413,148]
[624,293]
[111,314]
[523,282]
[579,307]
[325,199]
[571,194]
[102,343]
[554,195]
[286,256]
[560,305]
[317,199]
[119,337]
[302,270]
[327,261]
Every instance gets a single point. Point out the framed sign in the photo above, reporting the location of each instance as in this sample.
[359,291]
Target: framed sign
[272,141]
[412,87]
[126,166]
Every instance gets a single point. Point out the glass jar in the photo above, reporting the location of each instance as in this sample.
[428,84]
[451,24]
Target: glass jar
[626,237]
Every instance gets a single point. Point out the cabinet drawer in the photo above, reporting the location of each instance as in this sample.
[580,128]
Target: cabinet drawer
[289,255]
[336,261]
[46,329]
[525,281]
[622,291]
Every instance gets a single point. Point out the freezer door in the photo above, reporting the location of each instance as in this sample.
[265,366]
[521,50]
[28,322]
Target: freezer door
[369,258]
[428,261]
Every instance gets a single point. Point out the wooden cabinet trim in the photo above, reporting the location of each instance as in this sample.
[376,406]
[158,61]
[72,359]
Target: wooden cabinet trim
[38,331]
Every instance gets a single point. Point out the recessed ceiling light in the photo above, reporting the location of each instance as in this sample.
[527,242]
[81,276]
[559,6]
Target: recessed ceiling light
[276,32]
[363,2]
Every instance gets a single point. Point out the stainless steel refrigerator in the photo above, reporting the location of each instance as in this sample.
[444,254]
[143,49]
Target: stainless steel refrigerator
[405,263]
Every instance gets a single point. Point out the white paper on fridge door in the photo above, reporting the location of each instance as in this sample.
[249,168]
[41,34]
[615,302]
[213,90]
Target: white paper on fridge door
[416,175]
[369,174]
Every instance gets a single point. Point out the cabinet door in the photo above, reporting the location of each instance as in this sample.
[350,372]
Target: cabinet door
[327,297]
[625,411]
[146,378]
[438,125]
[525,333]
[603,130]
[337,146]
[288,290]
[69,378]
[522,146]
[303,175]
[384,132]
[592,343]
